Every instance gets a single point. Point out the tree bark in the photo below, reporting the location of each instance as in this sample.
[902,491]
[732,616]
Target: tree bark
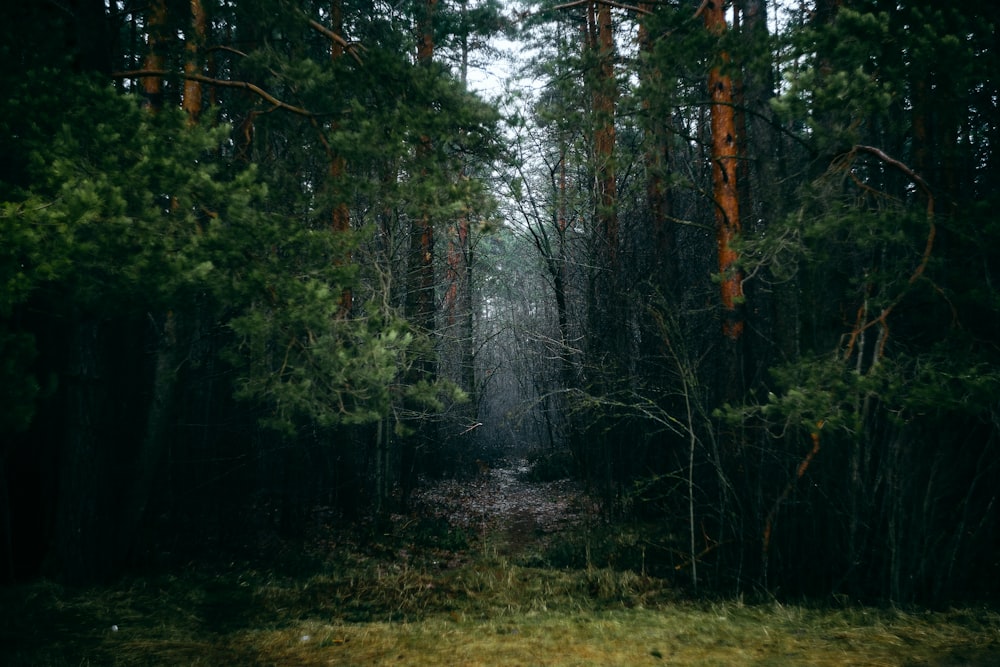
[657,164]
[725,191]
[420,303]
[604,99]
[341,217]
[152,86]
[6,526]
[606,315]
[420,296]
[154,441]
[193,45]
[80,551]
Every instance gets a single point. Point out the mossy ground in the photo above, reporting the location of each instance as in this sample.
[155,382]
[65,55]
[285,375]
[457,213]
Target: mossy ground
[477,609]
[531,589]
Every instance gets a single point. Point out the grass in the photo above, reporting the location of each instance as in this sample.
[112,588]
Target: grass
[402,606]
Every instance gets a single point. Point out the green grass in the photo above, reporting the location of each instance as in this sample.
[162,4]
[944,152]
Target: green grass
[405,608]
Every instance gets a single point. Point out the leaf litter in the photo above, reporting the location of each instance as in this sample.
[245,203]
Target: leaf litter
[501,503]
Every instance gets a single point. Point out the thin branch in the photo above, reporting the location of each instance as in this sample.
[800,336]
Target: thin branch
[323,30]
[701,8]
[225,83]
[881,155]
[800,471]
[924,259]
[471,428]
[227,49]
[611,3]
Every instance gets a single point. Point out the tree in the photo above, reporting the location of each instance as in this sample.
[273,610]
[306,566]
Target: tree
[217,274]
[865,248]
[725,189]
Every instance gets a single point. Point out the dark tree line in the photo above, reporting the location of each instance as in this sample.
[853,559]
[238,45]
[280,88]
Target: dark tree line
[795,366]
[735,260]
[220,305]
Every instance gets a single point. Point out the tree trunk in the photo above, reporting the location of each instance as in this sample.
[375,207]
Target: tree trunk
[606,307]
[80,551]
[605,300]
[341,217]
[193,45]
[152,86]
[154,441]
[420,296]
[604,98]
[420,303]
[458,302]
[725,163]
[657,163]
[6,527]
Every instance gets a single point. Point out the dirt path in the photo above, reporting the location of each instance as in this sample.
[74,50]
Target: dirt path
[502,505]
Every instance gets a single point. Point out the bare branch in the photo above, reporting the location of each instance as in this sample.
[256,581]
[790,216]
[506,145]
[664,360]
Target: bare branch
[227,49]
[610,3]
[323,30]
[883,317]
[225,83]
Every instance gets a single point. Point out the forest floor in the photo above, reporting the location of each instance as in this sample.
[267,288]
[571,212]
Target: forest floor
[505,511]
[495,570]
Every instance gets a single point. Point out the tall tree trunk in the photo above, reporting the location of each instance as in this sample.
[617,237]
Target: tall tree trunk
[419,306]
[159,414]
[420,300]
[469,334]
[606,307]
[557,265]
[193,46]
[156,29]
[604,99]
[6,527]
[458,301]
[725,190]
[657,163]
[155,438]
[80,551]
[341,217]
[604,299]
[463,262]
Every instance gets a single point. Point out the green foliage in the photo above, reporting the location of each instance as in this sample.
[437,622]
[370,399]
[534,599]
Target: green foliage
[129,212]
[830,393]
[107,218]
[831,81]
[309,366]
[125,194]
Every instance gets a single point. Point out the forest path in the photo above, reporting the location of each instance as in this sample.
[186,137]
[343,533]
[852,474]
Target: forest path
[503,507]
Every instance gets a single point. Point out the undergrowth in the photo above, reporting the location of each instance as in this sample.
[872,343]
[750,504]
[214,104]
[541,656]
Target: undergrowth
[403,599]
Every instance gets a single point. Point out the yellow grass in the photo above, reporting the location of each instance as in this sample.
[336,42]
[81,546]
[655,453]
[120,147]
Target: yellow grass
[681,635]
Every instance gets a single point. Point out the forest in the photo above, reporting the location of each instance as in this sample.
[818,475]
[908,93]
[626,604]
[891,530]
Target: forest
[728,268]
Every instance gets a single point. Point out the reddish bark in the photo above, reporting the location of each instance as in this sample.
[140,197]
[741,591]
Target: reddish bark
[604,99]
[725,163]
[152,86]
[192,100]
